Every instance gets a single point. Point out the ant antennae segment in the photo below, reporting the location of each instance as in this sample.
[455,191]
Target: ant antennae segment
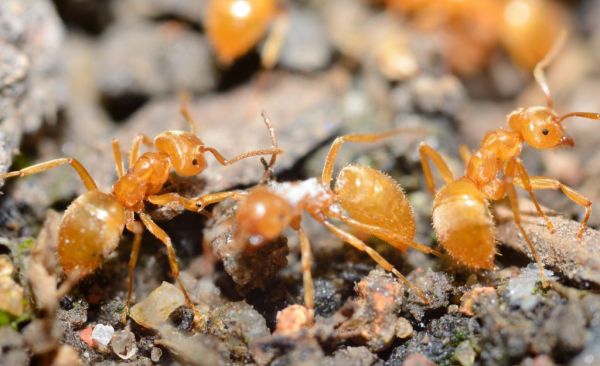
[588,115]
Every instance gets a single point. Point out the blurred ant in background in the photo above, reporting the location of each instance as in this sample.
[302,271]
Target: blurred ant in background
[234,27]
[471,29]
[93,223]
[461,217]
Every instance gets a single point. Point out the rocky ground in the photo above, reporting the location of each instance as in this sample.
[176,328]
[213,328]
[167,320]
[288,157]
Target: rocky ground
[75,74]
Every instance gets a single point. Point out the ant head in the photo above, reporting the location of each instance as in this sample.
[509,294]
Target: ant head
[262,217]
[540,127]
[184,150]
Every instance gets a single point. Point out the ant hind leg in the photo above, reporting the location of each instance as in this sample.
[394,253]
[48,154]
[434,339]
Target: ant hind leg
[307,280]
[360,245]
[426,151]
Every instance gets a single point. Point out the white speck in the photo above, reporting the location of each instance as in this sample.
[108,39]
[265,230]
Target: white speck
[296,192]
[103,334]
[256,240]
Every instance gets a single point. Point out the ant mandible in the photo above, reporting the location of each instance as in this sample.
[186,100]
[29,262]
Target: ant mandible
[375,205]
[234,27]
[93,223]
[461,217]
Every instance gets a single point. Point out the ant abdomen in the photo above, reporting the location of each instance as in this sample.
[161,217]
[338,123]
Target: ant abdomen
[363,191]
[464,224]
[90,230]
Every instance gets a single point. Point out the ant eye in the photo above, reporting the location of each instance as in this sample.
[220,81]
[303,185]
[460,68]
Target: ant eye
[195,161]
[545,131]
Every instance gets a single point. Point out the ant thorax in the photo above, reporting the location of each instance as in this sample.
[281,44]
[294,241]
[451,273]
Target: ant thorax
[310,194]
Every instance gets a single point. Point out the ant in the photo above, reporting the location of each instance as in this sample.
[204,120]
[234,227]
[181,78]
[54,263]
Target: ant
[234,27]
[461,216]
[525,28]
[93,223]
[375,205]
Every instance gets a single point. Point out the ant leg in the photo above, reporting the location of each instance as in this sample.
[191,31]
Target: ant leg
[576,197]
[195,204]
[360,245]
[465,153]
[539,71]
[525,182]
[135,147]
[272,48]
[307,280]
[327,172]
[118,158]
[221,159]
[426,151]
[514,204]
[168,199]
[85,177]
[390,237]
[166,240]
[137,230]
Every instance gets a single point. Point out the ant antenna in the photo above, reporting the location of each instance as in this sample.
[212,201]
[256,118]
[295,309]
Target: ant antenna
[588,115]
[184,96]
[269,166]
[539,70]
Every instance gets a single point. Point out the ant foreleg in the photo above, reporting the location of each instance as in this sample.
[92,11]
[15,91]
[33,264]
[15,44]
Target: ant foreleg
[576,197]
[426,151]
[307,259]
[525,182]
[86,178]
[360,245]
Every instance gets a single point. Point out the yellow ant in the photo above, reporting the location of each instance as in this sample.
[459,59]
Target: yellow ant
[93,223]
[461,216]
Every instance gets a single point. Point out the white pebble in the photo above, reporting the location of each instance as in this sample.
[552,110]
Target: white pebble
[103,334]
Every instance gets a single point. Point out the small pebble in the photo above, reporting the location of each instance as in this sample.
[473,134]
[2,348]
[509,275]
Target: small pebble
[102,334]
[465,354]
[403,328]
[155,354]
[123,344]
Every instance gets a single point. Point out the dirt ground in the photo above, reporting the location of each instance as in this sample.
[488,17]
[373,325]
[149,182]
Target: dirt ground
[76,74]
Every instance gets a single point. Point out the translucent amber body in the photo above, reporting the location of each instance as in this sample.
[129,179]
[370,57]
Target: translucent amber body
[464,224]
[235,26]
[529,28]
[373,198]
[90,230]
[262,216]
